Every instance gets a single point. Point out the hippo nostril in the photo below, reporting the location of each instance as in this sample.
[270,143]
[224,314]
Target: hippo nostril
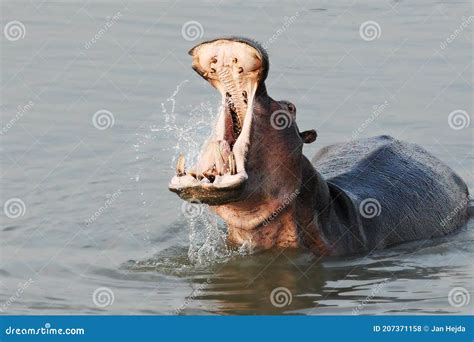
[234,60]
[213,70]
[244,94]
[241,70]
[213,60]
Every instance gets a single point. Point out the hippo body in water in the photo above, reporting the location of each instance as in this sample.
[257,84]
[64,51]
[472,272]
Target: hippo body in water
[352,198]
[385,192]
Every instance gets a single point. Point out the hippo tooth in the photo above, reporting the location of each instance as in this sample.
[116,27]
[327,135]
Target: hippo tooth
[218,159]
[232,166]
[180,166]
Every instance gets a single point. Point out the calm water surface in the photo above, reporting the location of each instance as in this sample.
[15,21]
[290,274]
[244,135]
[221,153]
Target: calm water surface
[140,245]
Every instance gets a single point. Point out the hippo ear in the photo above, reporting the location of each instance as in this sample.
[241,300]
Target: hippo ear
[309,136]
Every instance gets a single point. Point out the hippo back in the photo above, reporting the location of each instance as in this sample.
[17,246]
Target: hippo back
[400,191]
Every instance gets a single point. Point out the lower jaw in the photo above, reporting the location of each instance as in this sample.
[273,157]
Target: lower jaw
[225,189]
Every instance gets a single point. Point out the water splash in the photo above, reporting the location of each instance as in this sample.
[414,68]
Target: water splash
[190,135]
[207,236]
[207,239]
[184,130]
[179,130]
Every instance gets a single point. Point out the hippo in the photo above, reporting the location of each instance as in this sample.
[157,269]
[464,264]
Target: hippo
[351,198]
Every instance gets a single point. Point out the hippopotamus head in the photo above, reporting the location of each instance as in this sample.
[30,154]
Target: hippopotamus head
[253,156]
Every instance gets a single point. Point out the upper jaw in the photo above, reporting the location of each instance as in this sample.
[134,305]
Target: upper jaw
[235,67]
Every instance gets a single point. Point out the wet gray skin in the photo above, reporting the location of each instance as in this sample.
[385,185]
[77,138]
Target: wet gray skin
[352,198]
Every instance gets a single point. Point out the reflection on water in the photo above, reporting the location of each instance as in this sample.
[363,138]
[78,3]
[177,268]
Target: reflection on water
[142,246]
[398,280]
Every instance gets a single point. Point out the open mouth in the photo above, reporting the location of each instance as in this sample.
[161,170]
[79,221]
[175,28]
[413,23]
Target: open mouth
[235,67]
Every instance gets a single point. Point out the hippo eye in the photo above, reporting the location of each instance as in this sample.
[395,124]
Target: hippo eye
[291,108]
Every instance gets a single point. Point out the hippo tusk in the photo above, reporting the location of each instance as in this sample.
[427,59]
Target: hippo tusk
[232,166]
[180,171]
[219,160]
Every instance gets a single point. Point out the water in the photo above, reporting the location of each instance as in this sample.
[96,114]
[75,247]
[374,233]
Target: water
[98,212]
